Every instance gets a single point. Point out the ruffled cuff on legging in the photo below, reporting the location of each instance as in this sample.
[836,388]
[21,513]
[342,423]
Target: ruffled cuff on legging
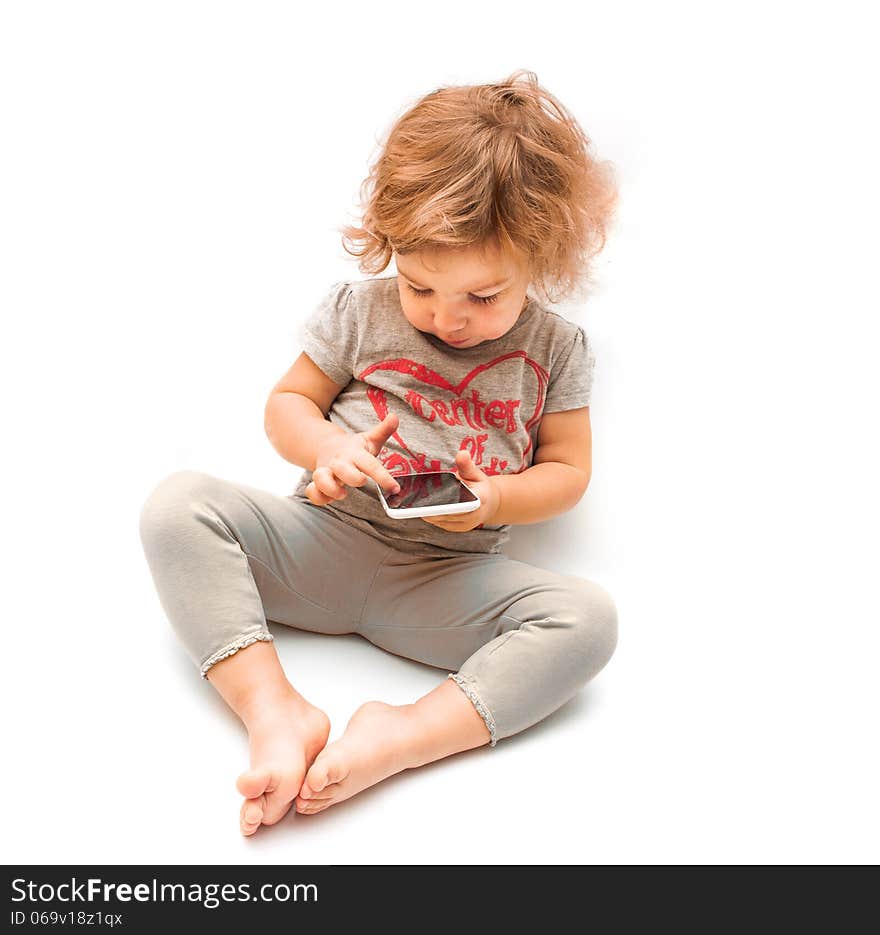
[465,683]
[233,648]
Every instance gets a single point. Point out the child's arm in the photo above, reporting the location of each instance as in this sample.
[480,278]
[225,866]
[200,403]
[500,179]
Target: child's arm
[559,475]
[295,412]
[298,430]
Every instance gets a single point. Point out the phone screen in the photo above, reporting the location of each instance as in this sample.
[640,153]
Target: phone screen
[433,488]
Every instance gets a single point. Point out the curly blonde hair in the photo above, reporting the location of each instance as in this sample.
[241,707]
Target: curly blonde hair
[502,164]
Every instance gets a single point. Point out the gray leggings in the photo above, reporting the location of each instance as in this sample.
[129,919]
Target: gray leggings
[225,558]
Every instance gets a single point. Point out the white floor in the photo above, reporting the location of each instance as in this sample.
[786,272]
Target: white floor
[165,229]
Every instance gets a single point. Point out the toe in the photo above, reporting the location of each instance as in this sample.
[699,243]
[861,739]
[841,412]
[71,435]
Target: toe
[254,782]
[316,778]
[252,811]
[327,768]
[311,807]
[302,803]
[277,807]
[269,794]
[279,796]
[251,816]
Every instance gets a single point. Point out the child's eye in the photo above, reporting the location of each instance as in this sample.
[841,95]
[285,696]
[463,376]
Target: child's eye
[483,299]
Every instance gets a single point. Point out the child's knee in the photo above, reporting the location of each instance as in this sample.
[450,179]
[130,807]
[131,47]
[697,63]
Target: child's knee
[600,624]
[594,628]
[170,503]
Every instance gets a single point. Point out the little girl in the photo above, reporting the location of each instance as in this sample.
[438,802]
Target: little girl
[486,197]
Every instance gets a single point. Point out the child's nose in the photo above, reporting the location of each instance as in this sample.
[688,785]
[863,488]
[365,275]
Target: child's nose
[448,320]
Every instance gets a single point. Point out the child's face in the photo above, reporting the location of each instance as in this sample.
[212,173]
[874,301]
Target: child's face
[457,287]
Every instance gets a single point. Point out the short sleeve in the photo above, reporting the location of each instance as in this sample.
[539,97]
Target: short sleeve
[571,376]
[329,335]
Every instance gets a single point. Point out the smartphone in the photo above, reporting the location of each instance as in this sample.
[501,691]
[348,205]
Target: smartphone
[432,493]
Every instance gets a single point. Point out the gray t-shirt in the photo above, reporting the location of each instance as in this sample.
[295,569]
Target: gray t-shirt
[488,398]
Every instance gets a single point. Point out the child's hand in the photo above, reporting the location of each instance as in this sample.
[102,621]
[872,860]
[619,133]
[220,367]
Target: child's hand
[351,459]
[483,486]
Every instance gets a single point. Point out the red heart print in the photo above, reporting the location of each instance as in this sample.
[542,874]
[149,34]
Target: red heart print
[426,375]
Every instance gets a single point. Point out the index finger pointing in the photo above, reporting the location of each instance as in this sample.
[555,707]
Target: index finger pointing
[372,467]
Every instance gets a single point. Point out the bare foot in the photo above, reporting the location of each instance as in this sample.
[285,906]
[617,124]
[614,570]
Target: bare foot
[380,740]
[285,737]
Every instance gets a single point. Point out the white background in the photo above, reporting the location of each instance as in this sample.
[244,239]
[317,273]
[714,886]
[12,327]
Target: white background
[173,177]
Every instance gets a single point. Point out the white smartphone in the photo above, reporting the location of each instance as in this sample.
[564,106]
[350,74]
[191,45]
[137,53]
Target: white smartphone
[432,493]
